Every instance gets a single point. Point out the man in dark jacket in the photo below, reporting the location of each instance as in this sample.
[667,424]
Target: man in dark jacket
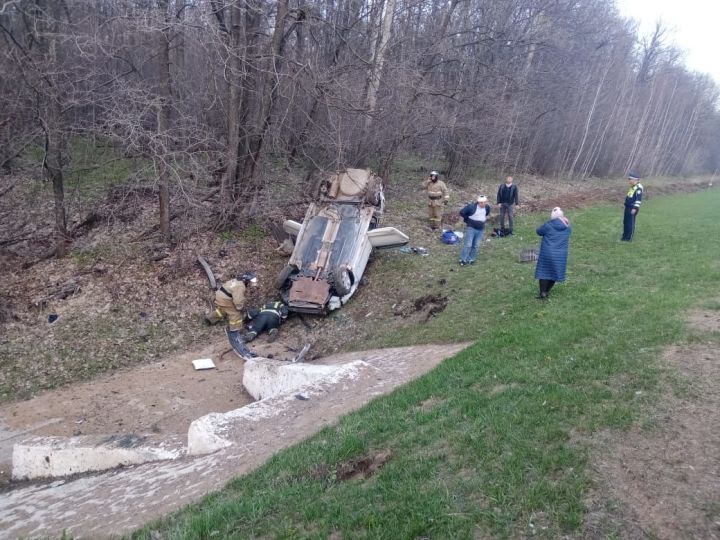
[269,317]
[633,199]
[507,196]
[552,260]
[474,215]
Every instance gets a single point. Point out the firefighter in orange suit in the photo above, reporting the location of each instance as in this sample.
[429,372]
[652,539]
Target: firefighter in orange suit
[230,301]
[438,196]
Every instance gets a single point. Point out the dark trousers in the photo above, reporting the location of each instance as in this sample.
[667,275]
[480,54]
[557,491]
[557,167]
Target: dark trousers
[545,286]
[628,224]
[506,209]
[264,321]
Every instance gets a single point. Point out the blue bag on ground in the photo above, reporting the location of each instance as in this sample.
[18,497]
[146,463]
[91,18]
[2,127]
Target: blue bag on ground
[449,237]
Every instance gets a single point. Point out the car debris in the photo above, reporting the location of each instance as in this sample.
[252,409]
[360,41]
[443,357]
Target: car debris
[301,354]
[417,250]
[203,363]
[239,346]
[334,242]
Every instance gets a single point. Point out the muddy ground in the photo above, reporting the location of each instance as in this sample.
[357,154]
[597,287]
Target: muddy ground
[663,480]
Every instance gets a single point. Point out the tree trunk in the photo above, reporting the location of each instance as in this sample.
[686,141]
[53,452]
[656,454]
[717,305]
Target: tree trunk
[378,61]
[234,108]
[54,145]
[267,93]
[163,119]
[53,165]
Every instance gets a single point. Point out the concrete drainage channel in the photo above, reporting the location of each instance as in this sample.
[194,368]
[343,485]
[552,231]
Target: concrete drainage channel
[294,402]
[53,457]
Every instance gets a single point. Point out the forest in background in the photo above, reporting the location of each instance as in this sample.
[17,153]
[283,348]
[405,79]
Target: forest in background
[206,95]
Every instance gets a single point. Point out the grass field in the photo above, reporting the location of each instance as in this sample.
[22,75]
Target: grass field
[493,441]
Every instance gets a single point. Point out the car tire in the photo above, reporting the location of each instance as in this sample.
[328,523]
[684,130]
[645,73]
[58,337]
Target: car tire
[285,273]
[373,198]
[342,280]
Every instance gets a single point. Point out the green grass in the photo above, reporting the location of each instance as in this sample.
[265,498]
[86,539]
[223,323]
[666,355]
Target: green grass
[252,232]
[483,461]
[503,446]
[93,167]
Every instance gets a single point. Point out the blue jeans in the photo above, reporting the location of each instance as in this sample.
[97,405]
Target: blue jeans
[471,241]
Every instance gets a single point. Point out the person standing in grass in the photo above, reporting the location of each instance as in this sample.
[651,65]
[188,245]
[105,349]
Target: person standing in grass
[633,199]
[507,197]
[475,215]
[552,260]
[438,196]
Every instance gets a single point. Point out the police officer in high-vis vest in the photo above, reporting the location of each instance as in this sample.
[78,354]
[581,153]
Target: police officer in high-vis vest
[438,196]
[633,199]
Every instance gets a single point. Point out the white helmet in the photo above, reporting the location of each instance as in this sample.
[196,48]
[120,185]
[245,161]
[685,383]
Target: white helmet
[435,174]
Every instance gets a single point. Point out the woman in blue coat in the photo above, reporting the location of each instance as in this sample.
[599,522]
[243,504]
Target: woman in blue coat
[552,260]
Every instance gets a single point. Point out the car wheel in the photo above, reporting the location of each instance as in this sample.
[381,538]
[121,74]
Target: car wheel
[283,276]
[342,280]
[373,198]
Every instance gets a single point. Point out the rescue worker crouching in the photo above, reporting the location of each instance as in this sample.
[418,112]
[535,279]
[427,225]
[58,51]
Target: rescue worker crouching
[230,300]
[438,195]
[268,318]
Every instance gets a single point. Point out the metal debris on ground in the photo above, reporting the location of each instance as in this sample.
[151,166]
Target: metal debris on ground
[302,353]
[417,250]
[528,255]
[239,346]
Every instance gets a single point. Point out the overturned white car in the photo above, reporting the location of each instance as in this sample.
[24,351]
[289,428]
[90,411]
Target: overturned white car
[334,241]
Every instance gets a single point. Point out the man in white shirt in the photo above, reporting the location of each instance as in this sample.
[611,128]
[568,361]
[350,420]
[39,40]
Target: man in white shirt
[475,215]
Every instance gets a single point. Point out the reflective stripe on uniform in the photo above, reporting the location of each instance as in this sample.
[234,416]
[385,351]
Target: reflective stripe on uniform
[631,193]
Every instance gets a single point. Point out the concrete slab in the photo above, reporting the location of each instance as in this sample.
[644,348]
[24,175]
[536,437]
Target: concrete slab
[53,457]
[116,502]
[263,378]
[8,439]
[216,431]
[159,400]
